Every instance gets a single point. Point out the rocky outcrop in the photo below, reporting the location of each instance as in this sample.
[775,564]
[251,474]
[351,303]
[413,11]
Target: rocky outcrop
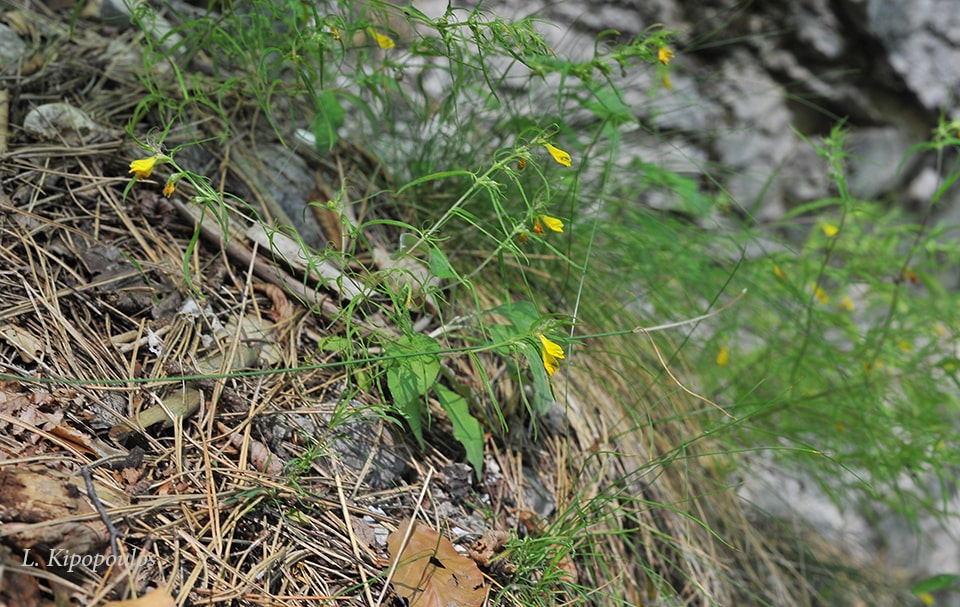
[750,76]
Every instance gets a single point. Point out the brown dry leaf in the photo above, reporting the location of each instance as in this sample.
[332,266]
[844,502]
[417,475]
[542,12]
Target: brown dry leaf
[82,441]
[155,598]
[431,573]
[29,346]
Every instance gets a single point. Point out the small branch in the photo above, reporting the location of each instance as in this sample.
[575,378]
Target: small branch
[95,500]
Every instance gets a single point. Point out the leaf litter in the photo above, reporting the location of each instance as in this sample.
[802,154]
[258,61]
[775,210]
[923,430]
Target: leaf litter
[429,572]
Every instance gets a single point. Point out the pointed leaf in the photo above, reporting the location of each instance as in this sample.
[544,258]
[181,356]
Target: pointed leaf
[466,428]
[440,265]
[410,375]
[522,314]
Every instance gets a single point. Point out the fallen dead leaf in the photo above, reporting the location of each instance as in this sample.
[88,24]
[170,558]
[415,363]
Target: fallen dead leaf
[29,346]
[19,589]
[431,573]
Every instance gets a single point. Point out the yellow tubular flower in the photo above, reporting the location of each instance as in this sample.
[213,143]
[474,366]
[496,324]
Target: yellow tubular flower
[143,167]
[664,55]
[559,155]
[723,356]
[551,352]
[821,295]
[383,41]
[552,223]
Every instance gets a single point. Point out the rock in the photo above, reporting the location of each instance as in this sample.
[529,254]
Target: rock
[819,28]
[12,48]
[752,81]
[57,121]
[875,161]
[922,40]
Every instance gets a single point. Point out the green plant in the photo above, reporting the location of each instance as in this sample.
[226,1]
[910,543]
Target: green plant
[838,352]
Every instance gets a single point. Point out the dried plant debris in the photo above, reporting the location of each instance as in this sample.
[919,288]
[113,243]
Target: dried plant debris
[33,499]
[429,572]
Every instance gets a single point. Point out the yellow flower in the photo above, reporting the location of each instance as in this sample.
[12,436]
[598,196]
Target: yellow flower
[664,55]
[383,41]
[723,356]
[559,155]
[552,354]
[939,329]
[846,304]
[830,230]
[143,167]
[821,295]
[171,185]
[552,223]
[778,272]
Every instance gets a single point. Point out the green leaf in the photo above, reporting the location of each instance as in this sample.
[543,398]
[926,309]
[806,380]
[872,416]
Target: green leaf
[522,314]
[410,375]
[466,428]
[434,177]
[440,265]
[327,122]
[334,343]
[690,199]
[610,107]
[542,392]
[938,582]
[407,242]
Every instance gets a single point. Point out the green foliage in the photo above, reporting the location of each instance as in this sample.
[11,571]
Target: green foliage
[522,321]
[412,371]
